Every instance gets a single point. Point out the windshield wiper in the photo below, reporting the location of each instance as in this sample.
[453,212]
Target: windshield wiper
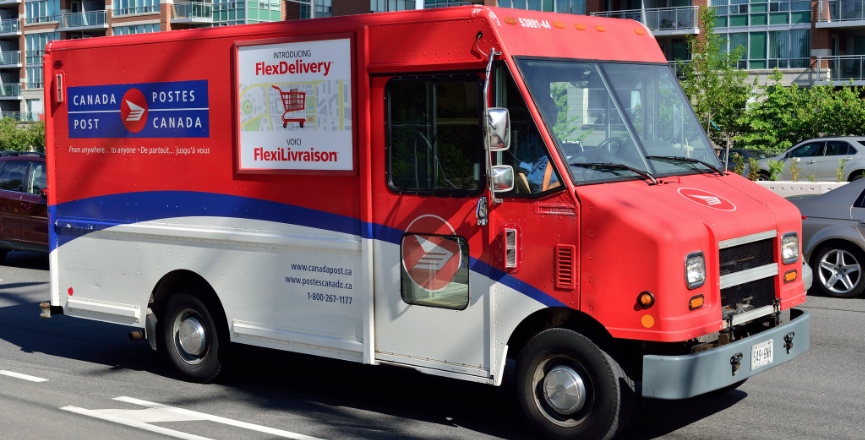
[616,166]
[688,160]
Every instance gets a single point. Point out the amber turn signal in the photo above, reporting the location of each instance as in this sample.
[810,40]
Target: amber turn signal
[695,302]
[791,276]
[646,300]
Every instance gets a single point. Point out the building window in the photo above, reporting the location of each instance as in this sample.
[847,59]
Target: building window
[33,50]
[131,7]
[41,11]
[774,49]
[391,5]
[743,13]
[137,29]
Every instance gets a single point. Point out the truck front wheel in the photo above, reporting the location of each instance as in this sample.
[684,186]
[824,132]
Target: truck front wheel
[191,338]
[569,388]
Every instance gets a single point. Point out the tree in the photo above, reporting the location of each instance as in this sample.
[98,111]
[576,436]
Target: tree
[718,91]
[21,137]
[786,115]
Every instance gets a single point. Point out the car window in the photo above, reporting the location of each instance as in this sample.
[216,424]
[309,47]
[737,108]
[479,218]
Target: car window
[13,174]
[807,150]
[36,180]
[838,148]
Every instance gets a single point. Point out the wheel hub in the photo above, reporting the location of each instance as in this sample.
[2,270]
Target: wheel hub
[191,336]
[564,390]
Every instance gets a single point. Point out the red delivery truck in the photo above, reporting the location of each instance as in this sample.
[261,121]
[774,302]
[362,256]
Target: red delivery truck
[446,190]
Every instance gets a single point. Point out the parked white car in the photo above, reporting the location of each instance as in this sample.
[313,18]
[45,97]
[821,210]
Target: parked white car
[821,159]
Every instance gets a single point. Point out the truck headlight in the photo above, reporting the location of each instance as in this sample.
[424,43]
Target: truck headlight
[695,270]
[790,248]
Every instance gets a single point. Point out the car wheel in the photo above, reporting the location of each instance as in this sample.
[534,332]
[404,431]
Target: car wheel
[569,388]
[838,271]
[3,253]
[194,341]
[763,177]
[856,175]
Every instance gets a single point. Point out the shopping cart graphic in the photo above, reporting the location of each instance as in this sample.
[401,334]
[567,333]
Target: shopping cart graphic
[292,101]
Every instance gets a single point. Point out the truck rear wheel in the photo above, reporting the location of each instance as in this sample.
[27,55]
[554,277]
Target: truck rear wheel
[192,339]
[569,388]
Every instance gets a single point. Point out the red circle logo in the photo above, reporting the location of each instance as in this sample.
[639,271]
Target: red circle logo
[707,199]
[133,110]
[431,254]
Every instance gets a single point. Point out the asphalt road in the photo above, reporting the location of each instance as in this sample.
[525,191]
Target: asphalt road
[64,378]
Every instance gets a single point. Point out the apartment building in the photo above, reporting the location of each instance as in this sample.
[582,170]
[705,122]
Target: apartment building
[811,41]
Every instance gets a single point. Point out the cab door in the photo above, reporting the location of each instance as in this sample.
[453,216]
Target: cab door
[431,311]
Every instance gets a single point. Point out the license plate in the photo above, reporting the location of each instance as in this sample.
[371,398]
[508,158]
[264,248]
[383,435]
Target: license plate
[761,354]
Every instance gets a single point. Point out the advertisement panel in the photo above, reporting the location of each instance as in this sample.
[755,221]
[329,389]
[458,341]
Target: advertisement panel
[294,106]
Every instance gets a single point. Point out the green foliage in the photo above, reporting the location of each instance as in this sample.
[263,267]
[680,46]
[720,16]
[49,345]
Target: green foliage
[795,170]
[786,115]
[776,167]
[839,172]
[753,169]
[17,136]
[738,163]
[718,91]
[565,126]
[812,178]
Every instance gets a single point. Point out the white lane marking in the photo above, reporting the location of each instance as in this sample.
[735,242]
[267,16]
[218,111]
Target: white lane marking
[22,376]
[105,415]
[156,412]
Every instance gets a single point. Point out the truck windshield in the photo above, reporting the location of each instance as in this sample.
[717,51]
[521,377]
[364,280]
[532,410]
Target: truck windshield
[613,121]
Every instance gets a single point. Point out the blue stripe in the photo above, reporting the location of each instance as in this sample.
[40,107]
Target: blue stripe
[81,217]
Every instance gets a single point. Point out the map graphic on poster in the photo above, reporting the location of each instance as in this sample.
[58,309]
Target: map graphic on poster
[294,105]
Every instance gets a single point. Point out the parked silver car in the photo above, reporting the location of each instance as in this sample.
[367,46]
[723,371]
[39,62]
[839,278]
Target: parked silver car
[833,225]
[820,159]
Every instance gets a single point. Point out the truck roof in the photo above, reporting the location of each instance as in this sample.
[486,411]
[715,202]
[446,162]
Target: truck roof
[440,36]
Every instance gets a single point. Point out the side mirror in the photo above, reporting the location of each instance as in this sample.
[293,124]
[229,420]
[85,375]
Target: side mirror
[44,193]
[498,129]
[502,178]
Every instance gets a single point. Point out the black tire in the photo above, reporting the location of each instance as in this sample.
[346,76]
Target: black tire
[838,271]
[194,340]
[560,360]
[763,177]
[3,253]
[856,175]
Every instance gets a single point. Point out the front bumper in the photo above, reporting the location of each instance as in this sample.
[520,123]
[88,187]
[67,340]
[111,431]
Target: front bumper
[681,377]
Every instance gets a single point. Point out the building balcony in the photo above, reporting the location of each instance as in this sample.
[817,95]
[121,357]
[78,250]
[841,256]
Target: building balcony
[10,91]
[10,27]
[843,69]
[10,59]
[83,20]
[661,21]
[192,13]
[840,14]
[6,3]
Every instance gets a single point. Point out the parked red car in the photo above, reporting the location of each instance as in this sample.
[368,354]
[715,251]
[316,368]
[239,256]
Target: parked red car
[23,203]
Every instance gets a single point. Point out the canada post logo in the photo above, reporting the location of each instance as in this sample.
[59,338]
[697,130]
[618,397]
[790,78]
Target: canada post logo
[147,110]
[707,199]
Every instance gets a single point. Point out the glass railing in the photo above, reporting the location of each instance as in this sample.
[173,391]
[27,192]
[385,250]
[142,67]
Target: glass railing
[83,19]
[9,26]
[843,68]
[840,10]
[10,91]
[10,58]
[188,10]
[682,19]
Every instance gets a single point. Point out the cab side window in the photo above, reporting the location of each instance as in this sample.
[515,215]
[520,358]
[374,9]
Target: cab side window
[808,150]
[528,154]
[435,143]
